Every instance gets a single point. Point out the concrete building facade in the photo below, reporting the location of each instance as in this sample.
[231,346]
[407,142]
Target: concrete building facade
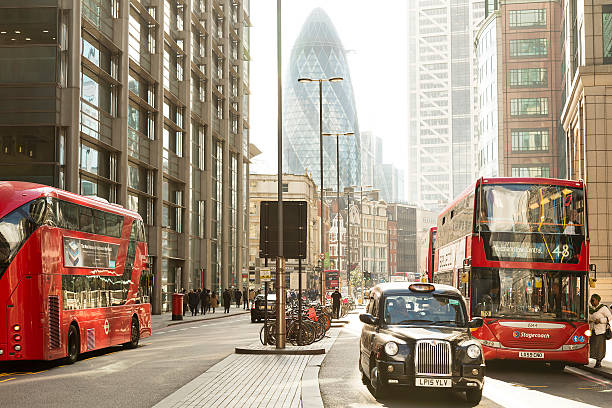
[144,103]
[586,38]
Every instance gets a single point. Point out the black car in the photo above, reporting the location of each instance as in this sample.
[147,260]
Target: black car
[258,309]
[418,335]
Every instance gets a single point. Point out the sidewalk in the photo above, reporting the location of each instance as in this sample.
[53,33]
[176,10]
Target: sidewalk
[606,364]
[256,380]
[165,319]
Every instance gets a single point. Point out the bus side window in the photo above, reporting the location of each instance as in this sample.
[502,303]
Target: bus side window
[86,219]
[99,222]
[69,216]
[114,223]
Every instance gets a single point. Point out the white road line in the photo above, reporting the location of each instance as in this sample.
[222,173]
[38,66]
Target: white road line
[583,374]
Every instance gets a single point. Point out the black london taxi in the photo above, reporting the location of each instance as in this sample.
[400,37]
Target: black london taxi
[418,335]
[258,309]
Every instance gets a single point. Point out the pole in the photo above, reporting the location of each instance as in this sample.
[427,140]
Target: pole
[321,169]
[300,301]
[266,307]
[361,243]
[348,242]
[338,200]
[280,264]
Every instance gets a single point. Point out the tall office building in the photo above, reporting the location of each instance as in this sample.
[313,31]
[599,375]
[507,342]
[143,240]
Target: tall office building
[586,44]
[519,90]
[318,54]
[441,99]
[143,103]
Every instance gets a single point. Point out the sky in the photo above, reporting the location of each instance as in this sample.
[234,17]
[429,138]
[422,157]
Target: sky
[374,34]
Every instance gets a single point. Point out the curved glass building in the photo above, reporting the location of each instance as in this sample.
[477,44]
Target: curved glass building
[318,53]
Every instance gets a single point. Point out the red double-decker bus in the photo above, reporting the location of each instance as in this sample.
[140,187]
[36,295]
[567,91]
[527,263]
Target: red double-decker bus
[518,250]
[73,274]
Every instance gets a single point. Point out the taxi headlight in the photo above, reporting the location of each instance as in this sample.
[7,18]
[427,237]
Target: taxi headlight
[391,348]
[473,351]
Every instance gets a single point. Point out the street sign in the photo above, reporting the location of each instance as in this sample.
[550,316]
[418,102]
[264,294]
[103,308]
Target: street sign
[265,275]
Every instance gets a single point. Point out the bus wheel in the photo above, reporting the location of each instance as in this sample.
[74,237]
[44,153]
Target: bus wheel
[73,344]
[134,334]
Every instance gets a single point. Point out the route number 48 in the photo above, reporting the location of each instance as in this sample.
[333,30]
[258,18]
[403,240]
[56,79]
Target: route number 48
[562,251]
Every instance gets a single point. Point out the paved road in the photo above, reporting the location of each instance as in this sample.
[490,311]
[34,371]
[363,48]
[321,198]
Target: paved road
[136,378]
[507,385]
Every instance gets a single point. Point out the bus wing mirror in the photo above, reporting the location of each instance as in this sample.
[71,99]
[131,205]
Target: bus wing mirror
[475,323]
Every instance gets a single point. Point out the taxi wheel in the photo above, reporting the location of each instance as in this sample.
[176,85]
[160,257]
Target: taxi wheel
[473,396]
[377,388]
[253,319]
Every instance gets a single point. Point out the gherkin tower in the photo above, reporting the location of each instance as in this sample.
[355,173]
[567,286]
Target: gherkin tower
[319,53]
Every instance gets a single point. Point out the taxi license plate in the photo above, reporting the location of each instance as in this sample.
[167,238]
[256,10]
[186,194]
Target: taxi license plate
[261,307]
[530,354]
[434,382]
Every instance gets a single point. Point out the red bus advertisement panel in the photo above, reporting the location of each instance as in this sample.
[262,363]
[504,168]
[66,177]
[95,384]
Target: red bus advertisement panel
[517,249]
[77,265]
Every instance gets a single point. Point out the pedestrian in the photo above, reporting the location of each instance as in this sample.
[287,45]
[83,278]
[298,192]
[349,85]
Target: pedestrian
[251,297]
[238,296]
[205,300]
[185,301]
[245,298]
[227,300]
[599,320]
[336,297]
[214,301]
[197,299]
[192,301]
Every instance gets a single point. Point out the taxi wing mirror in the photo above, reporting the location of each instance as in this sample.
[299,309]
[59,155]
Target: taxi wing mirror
[368,319]
[475,323]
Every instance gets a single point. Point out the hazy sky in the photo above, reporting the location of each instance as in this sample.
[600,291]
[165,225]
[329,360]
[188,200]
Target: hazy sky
[374,33]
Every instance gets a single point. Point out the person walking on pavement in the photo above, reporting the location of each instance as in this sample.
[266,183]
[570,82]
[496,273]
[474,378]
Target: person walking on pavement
[227,300]
[336,298]
[185,301]
[192,301]
[205,300]
[245,298]
[197,300]
[238,296]
[214,301]
[599,319]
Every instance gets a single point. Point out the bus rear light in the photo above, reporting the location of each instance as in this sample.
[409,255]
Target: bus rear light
[587,333]
[16,327]
[17,347]
[17,337]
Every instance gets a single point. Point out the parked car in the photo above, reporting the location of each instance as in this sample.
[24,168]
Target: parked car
[418,335]
[258,309]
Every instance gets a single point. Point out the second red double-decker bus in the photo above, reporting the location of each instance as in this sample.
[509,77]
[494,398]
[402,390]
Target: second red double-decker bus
[72,274]
[518,250]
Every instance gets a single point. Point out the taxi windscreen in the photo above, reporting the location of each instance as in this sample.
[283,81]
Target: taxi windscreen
[424,309]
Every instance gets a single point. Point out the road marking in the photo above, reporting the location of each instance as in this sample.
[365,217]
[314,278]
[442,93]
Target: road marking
[582,374]
[8,379]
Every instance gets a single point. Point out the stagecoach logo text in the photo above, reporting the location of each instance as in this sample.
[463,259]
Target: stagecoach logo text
[518,334]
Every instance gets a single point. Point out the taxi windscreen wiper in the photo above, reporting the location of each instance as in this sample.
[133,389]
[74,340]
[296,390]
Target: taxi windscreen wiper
[416,321]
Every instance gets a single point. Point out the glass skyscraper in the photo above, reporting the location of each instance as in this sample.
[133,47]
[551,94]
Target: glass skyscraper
[318,54]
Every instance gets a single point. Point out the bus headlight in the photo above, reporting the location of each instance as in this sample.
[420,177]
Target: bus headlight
[16,327]
[587,333]
[473,351]
[391,348]
[17,347]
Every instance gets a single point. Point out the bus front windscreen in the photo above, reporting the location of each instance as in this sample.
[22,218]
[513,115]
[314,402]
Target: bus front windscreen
[531,222]
[528,294]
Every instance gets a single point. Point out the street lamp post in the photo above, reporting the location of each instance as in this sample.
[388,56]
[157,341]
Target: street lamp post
[320,81]
[338,197]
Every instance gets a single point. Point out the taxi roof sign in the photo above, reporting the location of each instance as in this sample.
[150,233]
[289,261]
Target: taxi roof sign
[422,287]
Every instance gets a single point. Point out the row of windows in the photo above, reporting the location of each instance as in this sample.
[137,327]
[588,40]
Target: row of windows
[528,106]
[529,77]
[527,18]
[531,171]
[529,47]
[529,140]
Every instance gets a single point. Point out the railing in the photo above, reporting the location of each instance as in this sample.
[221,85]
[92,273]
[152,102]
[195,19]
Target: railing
[96,123]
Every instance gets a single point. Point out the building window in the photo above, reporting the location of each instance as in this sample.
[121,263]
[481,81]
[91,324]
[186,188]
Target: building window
[529,77]
[528,47]
[285,187]
[606,23]
[529,140]
[529,107]
[531,171]
[527,18]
